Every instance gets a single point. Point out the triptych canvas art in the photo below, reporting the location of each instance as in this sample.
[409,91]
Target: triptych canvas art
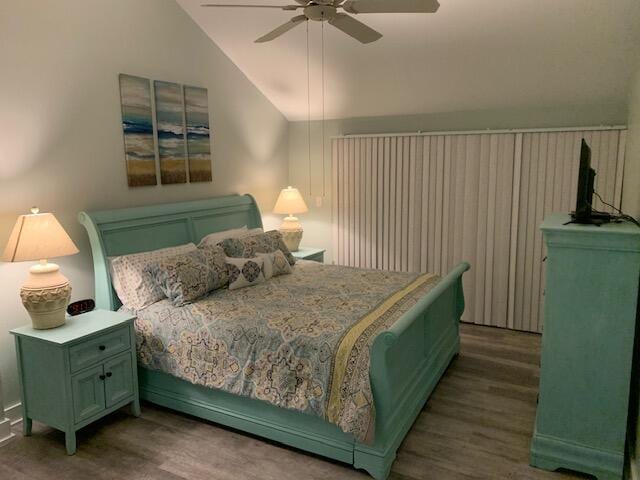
[182,123]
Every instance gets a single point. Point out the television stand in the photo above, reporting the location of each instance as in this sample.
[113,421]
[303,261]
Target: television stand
[590,303]
[595,218]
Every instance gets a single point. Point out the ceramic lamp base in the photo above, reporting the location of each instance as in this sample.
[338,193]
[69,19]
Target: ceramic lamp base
[291,231]
[292,239]
[46,295]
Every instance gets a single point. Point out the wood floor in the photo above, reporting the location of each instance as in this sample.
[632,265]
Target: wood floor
[477,425]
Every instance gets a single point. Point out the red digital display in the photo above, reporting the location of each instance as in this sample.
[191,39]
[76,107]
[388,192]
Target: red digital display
[81,306]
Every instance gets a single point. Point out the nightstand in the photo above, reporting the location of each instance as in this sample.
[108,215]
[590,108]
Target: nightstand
[75,374]
[307,253]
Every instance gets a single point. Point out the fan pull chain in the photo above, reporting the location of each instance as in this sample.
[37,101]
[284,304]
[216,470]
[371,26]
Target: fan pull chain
[324,191]
[308,108]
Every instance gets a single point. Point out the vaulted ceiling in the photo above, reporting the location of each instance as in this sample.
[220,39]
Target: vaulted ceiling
[470,55]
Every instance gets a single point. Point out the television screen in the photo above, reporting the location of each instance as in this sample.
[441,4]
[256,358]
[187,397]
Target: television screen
[586,177]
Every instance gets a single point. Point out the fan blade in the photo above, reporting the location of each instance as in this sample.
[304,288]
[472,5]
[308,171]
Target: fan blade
[282,29]
[391,6]
[227,5]
[354,28]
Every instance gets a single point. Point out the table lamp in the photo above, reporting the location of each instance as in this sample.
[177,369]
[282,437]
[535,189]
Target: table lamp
[289,203]
[46,292]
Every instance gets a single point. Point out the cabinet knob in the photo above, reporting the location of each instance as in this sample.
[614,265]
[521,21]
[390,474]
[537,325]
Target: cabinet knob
[102,377]
[102,347]
[109,374]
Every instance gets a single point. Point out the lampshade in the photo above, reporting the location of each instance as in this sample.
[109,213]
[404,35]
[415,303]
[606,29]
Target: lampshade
[38,236]
[290,202]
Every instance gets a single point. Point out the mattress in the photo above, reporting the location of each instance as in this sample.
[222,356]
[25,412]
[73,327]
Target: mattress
[298,341]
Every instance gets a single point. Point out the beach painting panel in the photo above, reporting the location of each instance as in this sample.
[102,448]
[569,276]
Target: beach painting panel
[196,106]
[170,124]
[137,126]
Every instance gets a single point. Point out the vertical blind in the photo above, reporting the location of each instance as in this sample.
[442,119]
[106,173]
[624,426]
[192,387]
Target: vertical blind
[426,202]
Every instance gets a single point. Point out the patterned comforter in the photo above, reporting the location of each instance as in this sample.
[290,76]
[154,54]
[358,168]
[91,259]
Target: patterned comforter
[298,341]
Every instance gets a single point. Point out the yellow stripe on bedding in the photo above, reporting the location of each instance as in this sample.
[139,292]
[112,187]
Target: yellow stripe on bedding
[334,406]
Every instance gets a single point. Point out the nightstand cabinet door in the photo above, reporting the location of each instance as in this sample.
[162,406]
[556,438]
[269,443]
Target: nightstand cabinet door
[88,393]
[118,379]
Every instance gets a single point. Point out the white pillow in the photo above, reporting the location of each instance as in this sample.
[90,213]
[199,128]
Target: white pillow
[275,263]
[216,237]
[135,287]
[245,272]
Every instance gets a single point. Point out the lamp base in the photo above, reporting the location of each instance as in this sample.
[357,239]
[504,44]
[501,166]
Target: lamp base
[291,231]
[45,295]
[292,239]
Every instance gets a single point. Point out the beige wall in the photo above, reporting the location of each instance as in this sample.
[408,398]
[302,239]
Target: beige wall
[317,221]
[61,144]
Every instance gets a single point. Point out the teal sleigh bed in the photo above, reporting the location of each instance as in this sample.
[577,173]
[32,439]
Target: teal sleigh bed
[407,359]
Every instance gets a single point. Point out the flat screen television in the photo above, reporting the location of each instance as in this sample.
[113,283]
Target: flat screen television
[586,178]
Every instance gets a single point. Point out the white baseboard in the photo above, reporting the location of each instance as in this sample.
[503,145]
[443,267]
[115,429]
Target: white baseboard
[14,413]
[5,432]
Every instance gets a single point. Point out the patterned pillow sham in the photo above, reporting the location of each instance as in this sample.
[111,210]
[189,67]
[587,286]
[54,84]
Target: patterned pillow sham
[216,237]
[248,247]
[275,264]
[135,287]
[245,272]
[186,277]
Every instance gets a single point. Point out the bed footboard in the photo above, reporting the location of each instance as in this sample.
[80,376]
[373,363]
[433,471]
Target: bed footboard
[407,361]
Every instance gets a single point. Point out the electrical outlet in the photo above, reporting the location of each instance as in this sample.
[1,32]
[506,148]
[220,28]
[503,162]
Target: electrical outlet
[318,202]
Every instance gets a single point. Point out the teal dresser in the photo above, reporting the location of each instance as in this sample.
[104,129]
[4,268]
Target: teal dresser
[308,253]
[75,374]
[591,297]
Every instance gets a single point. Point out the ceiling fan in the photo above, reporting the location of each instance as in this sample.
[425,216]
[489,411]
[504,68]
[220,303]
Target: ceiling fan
[329,11]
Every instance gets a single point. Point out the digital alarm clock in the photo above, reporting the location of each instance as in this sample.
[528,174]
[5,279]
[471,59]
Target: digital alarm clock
[81,306]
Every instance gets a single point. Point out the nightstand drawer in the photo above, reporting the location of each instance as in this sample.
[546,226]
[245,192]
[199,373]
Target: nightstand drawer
[99,348]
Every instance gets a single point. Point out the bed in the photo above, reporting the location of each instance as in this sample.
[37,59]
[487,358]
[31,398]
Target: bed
[407,355]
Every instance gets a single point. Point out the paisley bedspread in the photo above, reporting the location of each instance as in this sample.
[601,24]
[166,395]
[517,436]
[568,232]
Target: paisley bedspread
[298,341]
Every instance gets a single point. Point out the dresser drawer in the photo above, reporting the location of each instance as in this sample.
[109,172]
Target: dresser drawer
[99,348]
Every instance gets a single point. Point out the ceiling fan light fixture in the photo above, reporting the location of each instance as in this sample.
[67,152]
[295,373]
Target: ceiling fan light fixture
[320,13]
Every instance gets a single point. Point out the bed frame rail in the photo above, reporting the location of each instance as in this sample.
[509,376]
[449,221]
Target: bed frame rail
[407,360]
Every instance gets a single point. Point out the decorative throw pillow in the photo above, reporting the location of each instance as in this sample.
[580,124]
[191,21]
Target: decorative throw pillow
[275,264]
[189,276]
[245,272]
[250,246]
[216,237]
[135,287]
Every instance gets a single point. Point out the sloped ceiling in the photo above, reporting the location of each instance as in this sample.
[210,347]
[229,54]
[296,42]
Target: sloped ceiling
[470,55]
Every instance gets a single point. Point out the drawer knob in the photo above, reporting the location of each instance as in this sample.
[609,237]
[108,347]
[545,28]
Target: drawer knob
[109,374]
[102,377]
[102,347]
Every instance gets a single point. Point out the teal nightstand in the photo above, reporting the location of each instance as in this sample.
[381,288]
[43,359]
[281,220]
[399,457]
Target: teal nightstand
[313,254]
[75,374]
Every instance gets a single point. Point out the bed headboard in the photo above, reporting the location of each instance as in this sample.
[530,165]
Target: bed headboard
[133,230]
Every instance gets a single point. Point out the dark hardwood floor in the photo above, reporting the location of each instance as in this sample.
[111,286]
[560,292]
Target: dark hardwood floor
[477,425]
